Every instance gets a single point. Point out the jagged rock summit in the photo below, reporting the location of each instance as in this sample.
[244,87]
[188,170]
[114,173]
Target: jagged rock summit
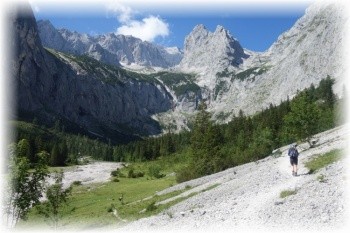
[204,49]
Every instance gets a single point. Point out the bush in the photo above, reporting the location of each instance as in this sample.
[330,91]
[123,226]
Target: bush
[154,171]
[116,173]
[77,183]
[151,207]
[323,160]
[133,174]
[111,208]
[287,193]
[185,174]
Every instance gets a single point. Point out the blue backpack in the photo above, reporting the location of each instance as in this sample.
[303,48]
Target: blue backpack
[293,153]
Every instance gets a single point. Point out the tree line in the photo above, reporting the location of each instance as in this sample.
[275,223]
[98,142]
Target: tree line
[213,147]
[68,149]
[250,138]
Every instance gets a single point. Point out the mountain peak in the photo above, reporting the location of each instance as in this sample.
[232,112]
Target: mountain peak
[220,28]
[198,33]
[200,27]
[224,50]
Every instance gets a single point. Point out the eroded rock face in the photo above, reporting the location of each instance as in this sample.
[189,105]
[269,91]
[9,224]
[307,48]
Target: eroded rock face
[54,86]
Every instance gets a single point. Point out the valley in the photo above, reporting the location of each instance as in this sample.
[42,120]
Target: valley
[150,137]
[246,195]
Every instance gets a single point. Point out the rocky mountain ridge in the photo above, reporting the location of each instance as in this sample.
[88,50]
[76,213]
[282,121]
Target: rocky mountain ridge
[109,48]
[100,99]
[214,69]
[314,48]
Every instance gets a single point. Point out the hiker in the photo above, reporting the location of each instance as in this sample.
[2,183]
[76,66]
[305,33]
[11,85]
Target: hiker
[293,155]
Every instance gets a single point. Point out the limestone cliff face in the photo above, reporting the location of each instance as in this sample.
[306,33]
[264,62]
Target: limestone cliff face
[29,61]
[87,93]
[312,49]
[307,53]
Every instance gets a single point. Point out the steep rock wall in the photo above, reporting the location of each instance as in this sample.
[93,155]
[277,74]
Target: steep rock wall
[52,88]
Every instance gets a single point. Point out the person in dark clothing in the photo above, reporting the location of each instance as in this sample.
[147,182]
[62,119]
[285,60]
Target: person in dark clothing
[293,155]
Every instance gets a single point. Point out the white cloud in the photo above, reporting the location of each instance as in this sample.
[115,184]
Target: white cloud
[124,13]
[148,28]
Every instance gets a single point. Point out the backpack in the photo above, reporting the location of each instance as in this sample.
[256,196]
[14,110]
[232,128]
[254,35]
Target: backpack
[293,153]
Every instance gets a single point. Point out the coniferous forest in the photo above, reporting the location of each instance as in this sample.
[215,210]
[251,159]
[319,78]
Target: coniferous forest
[211,147]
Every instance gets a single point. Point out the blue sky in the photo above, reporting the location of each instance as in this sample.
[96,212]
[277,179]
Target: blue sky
[256,24]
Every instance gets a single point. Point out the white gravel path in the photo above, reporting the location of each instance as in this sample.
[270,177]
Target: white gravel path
[247,198]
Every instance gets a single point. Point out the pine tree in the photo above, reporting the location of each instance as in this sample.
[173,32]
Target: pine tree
[55,154]
[63,154]
[326,91]
[302,121]
[205,142]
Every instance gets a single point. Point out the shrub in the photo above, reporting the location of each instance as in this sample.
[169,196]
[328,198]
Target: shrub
[151,207]
[185,174]
[133,174]
[287,193]
[115,173]
[111,208]
[154,171]
[323,160]
[77,183]
[139,174]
